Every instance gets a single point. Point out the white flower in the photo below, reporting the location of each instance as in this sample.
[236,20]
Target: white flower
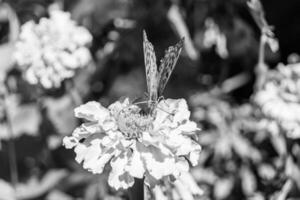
[136,145]
[279,99]
[50,51]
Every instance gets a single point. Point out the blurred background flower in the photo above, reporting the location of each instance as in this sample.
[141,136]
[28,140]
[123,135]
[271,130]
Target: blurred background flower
[49,52]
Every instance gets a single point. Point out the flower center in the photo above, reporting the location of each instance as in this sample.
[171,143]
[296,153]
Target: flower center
[132,123]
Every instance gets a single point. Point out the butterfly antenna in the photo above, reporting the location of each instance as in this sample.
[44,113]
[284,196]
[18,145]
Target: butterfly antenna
[141,102]
[166,111]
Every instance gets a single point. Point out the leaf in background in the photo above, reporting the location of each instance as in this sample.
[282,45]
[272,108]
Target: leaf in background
[244,148]
[101,11]
[56,194]
[292,171]
[257,196]
[279,144]
[177,20]
[223,147]
[25,118]
[223,187]
[6,61]
[248,181]
[266,171]
[204,175]
[187,179]
[6,50]
[60,112]
[82,78]
[183,191]
[112,198]
[35,188]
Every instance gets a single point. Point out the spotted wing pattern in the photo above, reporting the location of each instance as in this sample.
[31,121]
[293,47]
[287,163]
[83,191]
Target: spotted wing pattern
[151,68]
[167,65]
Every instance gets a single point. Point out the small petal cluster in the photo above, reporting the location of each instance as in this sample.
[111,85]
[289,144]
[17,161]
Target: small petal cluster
[214,37]
[135,145]
[50,51]
[268,36]
[279,99]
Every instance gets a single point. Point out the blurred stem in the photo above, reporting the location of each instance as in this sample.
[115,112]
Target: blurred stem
[74,93]
[136,192]
[261,68]
[75,96]
[14,26]
[11,143]
[261,55]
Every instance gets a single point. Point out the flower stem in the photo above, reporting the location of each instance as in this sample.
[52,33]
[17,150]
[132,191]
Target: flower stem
[74,93]
[261,68]
[13,162]
[11,144]
[136,192]
[75,96]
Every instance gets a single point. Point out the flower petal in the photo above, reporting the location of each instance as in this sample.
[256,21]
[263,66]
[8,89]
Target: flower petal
[158,164]
[118,177]
[135,166]
[92,111]
[94,157]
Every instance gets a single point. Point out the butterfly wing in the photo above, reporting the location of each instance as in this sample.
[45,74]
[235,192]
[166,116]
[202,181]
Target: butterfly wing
[150,68]
[167,65]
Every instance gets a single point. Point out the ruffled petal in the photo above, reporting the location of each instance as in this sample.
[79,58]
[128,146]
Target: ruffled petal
[92,111]
[136,166]
[158,164]
[93,156]
[188,128]
[194,156]
[118,177]
[70,142]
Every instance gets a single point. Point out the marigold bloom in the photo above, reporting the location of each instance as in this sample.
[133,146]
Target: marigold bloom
[279,98]
[50,51]
[136,145]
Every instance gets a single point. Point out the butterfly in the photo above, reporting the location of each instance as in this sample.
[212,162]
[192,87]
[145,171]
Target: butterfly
[133,120]
[157,78]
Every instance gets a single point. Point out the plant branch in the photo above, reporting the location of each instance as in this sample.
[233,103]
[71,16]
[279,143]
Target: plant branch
[261,67]
[11,143]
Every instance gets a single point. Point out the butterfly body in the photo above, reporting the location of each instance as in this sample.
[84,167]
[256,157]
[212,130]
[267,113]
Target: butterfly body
[132,122]
[157,78]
